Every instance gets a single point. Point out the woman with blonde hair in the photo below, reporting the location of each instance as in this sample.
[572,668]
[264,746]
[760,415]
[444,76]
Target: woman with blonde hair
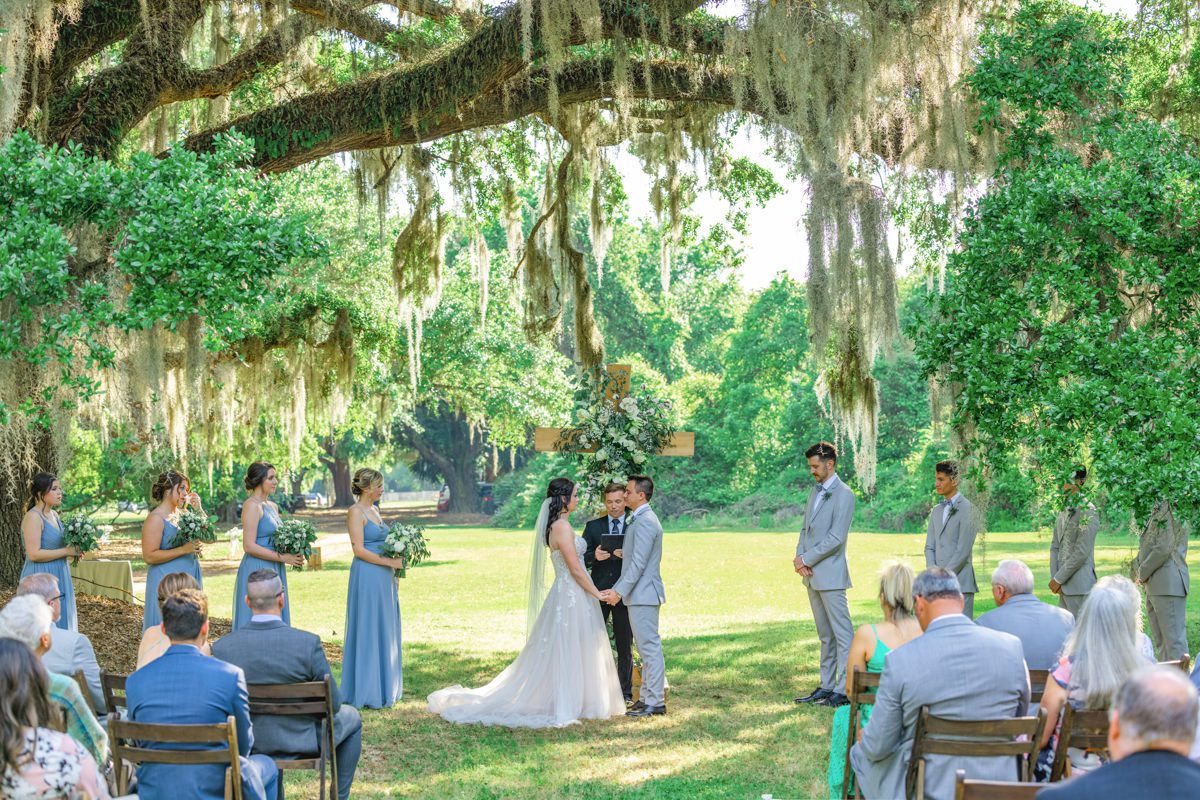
[870,646]
[371,660]
[154,640]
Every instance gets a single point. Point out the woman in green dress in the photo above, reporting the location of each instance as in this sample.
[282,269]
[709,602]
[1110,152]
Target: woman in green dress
[871,644]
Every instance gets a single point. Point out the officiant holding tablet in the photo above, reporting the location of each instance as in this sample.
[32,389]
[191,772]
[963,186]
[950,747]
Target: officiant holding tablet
[605,536]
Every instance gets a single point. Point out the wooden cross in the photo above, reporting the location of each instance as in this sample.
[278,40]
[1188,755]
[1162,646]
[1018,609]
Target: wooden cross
[681,443]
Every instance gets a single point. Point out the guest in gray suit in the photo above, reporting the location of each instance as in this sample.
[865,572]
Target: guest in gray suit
[1161,566]
[821,561]
[641,587]
[1041,627]
[950,535]
[957,669]
[70,651]
[269,651]
[1073,548]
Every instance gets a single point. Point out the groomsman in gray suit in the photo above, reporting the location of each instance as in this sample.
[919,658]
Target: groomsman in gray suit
[1041,627]
[1161,566]
[1073,548]
[641,587]
[950,536]
[821,561]
[957,669]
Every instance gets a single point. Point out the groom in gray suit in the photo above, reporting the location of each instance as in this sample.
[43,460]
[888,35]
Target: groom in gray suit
[641,587]
[950,536]
[821,561]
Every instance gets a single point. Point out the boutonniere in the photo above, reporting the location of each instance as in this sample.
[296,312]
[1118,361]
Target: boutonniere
[953,510]
[826,495]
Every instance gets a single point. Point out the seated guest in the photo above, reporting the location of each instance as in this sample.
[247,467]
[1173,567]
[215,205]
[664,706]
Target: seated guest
[70,651]
[1101,653]
[38,762]
[870,646]
[270,651]
[185,687]
[956,668]
[1041,627]
[154,642]
[1151,727]
[28,620]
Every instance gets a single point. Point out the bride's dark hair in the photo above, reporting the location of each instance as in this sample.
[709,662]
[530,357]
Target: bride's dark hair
[559,492]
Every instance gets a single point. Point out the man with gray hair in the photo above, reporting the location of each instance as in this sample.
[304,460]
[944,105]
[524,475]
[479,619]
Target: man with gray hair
[70,651]
[960,671]
[1152,725]
[1041,627]
[270,651]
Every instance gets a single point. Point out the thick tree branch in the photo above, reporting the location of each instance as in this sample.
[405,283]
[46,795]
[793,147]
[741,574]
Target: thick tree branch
[363,24]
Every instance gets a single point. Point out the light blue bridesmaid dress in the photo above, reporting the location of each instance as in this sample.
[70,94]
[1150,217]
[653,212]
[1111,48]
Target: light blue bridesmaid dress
[371,658]
[189,563]
[263,537]
[52,539]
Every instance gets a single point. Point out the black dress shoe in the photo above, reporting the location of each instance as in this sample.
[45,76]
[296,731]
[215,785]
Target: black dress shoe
[817,695]
[634,706]
[836,699]
[646,711]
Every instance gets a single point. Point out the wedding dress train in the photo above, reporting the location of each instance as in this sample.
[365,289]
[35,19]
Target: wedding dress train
[564,673]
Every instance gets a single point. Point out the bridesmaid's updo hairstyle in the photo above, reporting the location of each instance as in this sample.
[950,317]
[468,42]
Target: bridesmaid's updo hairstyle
[166,482]
[256,473]
[559,491]
[365,479]
[42,483]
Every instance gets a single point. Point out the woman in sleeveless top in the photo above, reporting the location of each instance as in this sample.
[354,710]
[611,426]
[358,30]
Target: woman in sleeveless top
[260,518]
[871,645]
[41,530]
[172,491]
[371,655]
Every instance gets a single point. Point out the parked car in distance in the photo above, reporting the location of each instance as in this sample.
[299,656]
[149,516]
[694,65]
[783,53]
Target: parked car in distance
[444,498]
[487,504]
[130,505]
[314,500]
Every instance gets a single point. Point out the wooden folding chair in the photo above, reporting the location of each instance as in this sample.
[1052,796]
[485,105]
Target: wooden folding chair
[1016,737]
[993,790]
[113,687]
[1086,730]
[1184,663]
[313,699]
[1037,685]
[861,692]
[129,742]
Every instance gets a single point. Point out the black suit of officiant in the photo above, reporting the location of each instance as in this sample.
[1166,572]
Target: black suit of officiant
[605,574]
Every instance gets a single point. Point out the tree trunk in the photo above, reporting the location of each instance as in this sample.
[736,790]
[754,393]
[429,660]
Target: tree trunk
[339,469]
[453,446]
[12,504]
[464,492]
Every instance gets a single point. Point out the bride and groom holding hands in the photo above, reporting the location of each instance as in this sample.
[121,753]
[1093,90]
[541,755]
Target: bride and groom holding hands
[566,671]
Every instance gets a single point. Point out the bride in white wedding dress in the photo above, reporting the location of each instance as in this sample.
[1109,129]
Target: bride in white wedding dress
[565,672]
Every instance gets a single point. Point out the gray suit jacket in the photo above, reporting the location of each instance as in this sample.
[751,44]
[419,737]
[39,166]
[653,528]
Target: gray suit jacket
[950,545]
[71,652]
[1162,555]
[274,652]
[641,583]
[1073,549]
[822,542]
[959,670]
[1041,627]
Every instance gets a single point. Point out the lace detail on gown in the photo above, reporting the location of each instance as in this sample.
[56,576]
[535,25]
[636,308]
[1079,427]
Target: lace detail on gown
[564,673]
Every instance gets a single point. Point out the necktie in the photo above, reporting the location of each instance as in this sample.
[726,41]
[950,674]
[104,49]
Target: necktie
[616,528]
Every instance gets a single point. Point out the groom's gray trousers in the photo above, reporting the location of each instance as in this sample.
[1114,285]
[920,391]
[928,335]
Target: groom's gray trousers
[835,630]
[644,621]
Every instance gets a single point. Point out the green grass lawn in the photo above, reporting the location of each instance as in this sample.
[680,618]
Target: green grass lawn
[739,644]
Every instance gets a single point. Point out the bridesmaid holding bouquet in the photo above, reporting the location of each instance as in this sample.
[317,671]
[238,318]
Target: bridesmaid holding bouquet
[172,491]
[371,661]
[45,550]
[260,518]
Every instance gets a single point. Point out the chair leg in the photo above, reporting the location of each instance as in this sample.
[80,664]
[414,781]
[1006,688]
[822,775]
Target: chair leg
[279,786]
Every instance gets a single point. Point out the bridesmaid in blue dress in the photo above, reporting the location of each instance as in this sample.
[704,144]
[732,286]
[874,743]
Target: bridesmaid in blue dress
[44,550]
[172,491]
[260,518]
[371,661]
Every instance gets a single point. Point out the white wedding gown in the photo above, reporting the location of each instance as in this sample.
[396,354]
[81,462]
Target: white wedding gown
[565,672]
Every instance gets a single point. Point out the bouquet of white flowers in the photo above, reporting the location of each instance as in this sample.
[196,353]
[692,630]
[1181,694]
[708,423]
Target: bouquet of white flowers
[295,537]
[82,534]
[194,526]
[406,542]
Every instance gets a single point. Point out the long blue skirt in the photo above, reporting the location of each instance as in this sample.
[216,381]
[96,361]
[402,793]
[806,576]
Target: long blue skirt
[151,614]
[371,660]
[60,570]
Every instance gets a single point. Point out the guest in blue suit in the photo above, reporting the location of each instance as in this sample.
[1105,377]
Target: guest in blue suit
[371,676]
[185,687]
[172,491]
[260,518]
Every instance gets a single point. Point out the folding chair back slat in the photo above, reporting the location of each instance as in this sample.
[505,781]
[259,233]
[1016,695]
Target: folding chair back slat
[1086,730]
[114,691]
[1017,736]
[1037,685]
[993,790]
[310,699]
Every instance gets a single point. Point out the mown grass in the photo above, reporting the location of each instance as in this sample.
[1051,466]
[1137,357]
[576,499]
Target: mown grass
[739,643]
